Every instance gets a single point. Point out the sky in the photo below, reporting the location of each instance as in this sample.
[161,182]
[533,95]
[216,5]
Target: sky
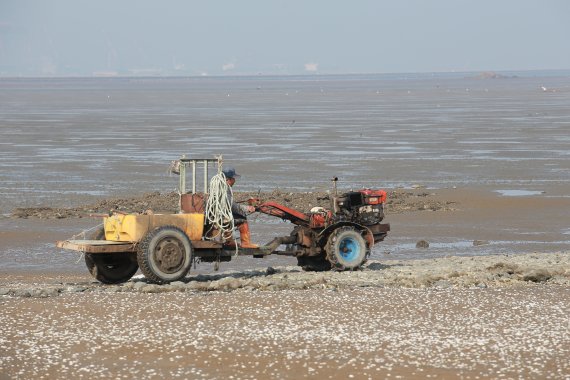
[268,37]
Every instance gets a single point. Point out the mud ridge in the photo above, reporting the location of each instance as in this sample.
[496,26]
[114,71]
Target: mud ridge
[399,201]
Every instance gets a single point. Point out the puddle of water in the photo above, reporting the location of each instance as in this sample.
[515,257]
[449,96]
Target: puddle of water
[518,193]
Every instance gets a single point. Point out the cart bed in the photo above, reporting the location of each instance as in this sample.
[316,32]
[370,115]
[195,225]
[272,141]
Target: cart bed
[97,246]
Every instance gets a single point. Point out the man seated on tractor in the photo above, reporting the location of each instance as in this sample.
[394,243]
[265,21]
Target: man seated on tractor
[239,211]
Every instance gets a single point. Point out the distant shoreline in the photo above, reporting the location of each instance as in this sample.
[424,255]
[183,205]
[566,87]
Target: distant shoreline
[395,75]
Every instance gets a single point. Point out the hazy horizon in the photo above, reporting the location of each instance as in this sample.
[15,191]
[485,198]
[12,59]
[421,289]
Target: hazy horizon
[66,38]
[504,74]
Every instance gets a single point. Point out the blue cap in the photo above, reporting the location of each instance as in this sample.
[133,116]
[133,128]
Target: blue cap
[230,173]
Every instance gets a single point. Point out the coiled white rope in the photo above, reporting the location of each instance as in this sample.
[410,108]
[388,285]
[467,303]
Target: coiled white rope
[218,208]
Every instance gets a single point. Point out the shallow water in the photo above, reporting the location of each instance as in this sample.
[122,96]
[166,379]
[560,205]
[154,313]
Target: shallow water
[70,141]
[518,192]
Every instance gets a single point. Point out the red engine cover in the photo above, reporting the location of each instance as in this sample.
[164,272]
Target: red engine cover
[319,220]
[374,197]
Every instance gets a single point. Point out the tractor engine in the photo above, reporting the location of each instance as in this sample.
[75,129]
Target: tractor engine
[365,207]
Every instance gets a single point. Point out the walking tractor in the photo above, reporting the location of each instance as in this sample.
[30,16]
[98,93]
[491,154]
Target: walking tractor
[165,246]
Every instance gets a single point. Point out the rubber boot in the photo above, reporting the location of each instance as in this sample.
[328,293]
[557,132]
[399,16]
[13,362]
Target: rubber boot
[245,236]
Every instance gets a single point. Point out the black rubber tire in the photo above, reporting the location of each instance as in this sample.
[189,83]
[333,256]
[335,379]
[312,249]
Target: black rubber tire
[112,268]
[165,254]
[346,249]
[314,263]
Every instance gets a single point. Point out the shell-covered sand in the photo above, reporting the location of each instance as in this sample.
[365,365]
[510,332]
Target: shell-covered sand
[503,316]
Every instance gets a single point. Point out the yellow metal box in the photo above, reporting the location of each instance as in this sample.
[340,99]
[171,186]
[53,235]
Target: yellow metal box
[132,227]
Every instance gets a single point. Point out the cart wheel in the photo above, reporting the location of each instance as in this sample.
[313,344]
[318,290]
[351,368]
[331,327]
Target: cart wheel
[313,263]
[346,248]
[112,268]
[165,254]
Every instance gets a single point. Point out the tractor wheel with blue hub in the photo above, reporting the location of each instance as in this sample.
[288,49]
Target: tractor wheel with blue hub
[346,249]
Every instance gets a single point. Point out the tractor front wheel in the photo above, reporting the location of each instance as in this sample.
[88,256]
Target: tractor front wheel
[346,248]
[165,254]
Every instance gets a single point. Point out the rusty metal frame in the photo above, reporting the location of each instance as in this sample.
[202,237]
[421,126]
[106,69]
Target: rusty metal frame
[284,212]
[193,164]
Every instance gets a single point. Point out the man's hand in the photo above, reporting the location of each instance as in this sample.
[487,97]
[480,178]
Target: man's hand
[250,209]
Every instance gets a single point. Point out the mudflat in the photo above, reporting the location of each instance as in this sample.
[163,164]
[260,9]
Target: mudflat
[476,168]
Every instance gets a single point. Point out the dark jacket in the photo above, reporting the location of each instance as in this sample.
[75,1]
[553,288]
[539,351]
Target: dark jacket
[239,210]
